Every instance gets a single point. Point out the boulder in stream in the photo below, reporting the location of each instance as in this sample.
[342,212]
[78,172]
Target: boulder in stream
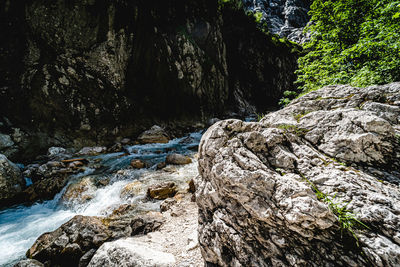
[178,159]
[162,191]
[313,184]
[11,181]
[155,134]
[76,240]
[138,164]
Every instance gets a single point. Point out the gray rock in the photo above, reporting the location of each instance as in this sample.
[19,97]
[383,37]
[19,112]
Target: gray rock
[73,242]
[178,159]
[257,206]
[5,141]
[287,18]
[54,151]
[11,180]
[129,252]
[155,134]
[29,263]
[92,151]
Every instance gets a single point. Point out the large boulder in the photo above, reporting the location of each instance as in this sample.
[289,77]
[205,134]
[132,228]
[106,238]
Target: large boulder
[129,252]
[11,181]
[76,241]
[314,184]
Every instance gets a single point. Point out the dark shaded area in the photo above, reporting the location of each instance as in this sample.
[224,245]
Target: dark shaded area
[79,73]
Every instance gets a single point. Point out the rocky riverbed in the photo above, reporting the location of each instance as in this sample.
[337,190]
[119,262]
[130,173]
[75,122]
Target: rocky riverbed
[104,198]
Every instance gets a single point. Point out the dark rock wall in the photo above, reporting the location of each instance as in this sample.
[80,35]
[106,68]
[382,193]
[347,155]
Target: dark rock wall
[84,72]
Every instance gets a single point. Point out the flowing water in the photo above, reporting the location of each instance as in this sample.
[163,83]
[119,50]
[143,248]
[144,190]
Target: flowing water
[20,226]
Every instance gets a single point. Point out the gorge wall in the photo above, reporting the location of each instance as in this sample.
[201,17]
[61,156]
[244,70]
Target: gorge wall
[76,73]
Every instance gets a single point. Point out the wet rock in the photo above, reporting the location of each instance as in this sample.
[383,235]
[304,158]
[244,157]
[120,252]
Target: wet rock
[132,189]
[66,245]
[118,147]
[162,191]
[29,263]
[80,192]
[138,164]
[178,159]
[155,134]
[257,183]
[128,252]
[74,241]
[92,151]
[11,181]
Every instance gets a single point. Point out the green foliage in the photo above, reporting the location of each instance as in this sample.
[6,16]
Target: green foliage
[260,116]
[353,42]
[346,218]
[290,128]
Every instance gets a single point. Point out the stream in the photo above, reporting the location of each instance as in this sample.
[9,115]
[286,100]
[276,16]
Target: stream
[21,225]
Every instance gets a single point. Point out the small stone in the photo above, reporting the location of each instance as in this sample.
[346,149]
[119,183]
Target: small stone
[162,191]
[178,159]
[138,164]
[92,151]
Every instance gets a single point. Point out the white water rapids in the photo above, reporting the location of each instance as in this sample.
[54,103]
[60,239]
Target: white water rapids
[20,226]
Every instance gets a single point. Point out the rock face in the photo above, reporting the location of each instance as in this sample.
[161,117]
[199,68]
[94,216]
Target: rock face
[270,193]
[128,252]
[287,18]
[76,73]
[11,181]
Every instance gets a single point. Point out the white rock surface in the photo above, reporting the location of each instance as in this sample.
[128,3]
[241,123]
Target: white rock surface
[129,252]
[256,207]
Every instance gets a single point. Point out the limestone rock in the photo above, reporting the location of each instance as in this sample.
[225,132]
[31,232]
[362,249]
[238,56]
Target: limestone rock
[155,134]
[67,244]
[128,252]
[11,180]
[74,241]
[178,159]
[257,186]
[162,191]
